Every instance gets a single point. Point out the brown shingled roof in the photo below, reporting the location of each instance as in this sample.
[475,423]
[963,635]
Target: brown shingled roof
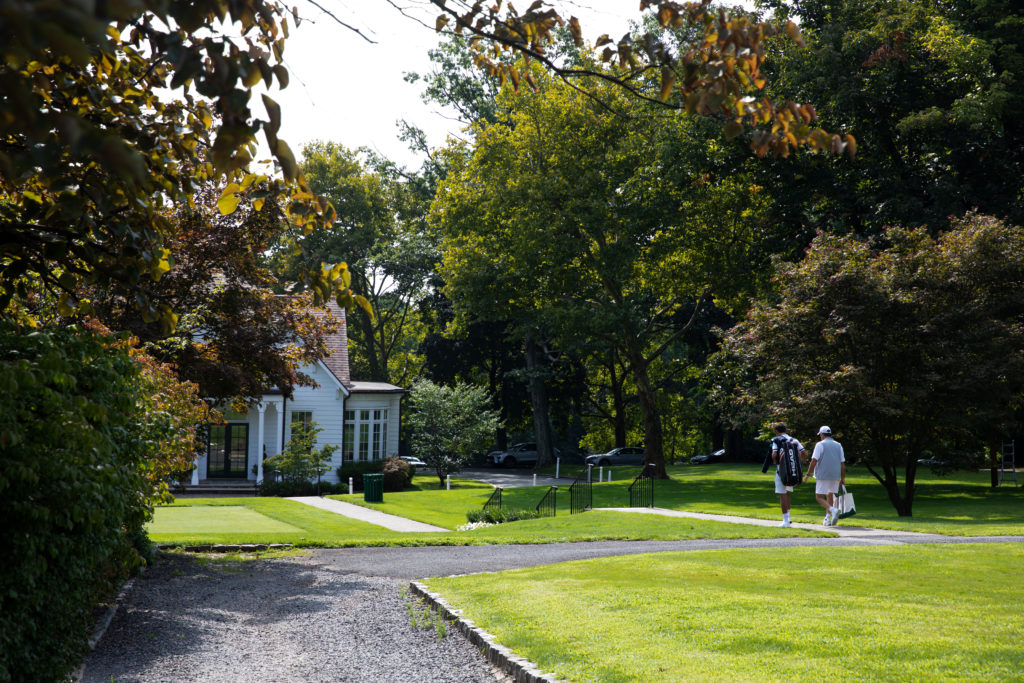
[337,345]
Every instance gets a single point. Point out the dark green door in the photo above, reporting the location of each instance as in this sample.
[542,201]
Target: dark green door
[229,451]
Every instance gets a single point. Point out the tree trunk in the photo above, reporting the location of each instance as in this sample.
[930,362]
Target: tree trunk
[539,401]
[618,409]
[654,449]
[993,455]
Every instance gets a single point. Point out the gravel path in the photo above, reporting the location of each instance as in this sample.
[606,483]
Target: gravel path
[290,619]
[336,614]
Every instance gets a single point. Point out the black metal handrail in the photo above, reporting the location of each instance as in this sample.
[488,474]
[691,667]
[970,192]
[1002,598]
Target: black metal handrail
[581,493]
[494,502]
[546,506]
[641,491]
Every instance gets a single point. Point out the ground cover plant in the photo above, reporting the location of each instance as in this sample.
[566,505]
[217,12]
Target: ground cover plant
[206,521]
[919,612]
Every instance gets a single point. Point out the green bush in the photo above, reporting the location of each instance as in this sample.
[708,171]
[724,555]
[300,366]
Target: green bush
[356,470]
[501,515]
[286,488]
[397,474]
[72,494]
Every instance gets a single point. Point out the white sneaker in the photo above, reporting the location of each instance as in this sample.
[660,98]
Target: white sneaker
[785,524]
[828,520]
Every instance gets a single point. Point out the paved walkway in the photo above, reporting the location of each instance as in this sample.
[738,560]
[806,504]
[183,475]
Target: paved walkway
[845,529]
[393,522]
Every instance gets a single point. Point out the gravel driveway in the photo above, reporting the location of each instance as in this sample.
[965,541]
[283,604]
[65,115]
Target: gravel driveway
[289,619]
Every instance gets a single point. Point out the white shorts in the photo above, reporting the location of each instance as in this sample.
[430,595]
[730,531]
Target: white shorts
[826,486]
[780,489]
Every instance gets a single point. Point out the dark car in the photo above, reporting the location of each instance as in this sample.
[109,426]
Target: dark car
[717,456]
[627,455]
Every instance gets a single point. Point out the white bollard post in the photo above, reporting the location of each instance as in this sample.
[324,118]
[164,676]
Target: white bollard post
[558,464]
[351,488]
[609,474]
[534,478]
[448,482]
[590,474]
[600,474]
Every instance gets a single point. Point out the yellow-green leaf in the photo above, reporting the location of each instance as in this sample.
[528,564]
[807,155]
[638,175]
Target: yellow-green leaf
[227,204]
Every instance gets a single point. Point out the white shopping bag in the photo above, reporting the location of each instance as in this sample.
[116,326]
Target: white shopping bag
[844,503]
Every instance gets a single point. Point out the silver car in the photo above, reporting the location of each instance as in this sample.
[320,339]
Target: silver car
[627,455]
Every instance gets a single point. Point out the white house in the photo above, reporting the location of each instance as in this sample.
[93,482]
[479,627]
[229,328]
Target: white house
[361,418]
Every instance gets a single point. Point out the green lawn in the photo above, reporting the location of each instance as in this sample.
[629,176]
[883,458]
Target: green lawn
[962,504]
[903,613]
[202,521]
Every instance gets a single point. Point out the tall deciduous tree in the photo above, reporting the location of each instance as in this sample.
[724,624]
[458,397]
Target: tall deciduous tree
[932,90]
[573,219]
[379,232]
[905,350]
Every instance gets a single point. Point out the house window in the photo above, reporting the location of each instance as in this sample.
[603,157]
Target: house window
[364,436]
[301,420]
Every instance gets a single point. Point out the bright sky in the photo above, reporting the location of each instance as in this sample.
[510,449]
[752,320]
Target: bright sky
[344,89]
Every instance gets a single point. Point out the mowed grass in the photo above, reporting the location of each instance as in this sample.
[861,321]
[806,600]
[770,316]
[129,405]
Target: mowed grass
[221,521]
[901,613]
[962,504]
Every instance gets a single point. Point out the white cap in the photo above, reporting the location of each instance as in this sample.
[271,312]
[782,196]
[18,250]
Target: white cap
[825,430]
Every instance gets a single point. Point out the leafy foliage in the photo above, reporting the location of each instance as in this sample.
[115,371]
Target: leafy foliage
[301,460]
[80,457]
[714,70]
[449,424]
[94,150]
[931,90]
[906,350]
[397,474]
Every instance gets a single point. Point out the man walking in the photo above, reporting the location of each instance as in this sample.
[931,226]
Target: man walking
[828,465]
[780,443]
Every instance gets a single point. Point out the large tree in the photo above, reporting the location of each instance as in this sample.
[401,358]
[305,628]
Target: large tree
[591,226]
[932,91]
[909,349]
[379,232]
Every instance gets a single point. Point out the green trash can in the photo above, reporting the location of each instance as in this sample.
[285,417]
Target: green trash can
[373,488]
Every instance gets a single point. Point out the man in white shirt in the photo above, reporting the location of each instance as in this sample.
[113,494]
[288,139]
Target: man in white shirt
[828,465]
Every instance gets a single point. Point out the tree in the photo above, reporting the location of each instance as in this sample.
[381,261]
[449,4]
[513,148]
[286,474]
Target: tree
[600,230]
[449,424]
[931,90]
[379,230]
[234,337]
[94,150]
[699,59]
[910,349]
[301,460]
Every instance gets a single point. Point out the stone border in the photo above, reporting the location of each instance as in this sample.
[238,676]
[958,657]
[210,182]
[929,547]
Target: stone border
[104,623]
[221,548]
[520,669]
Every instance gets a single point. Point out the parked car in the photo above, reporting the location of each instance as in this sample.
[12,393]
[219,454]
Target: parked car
[520,455]
[626,455]
[413,461]
[717,456]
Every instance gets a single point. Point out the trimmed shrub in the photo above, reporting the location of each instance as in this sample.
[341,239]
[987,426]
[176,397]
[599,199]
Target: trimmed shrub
[73,498]
[397,474]
[286,488]
[501,515]
[356,470]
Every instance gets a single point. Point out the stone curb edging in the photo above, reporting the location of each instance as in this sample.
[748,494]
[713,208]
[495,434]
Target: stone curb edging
[220,548]
[520,669]
[104,623]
